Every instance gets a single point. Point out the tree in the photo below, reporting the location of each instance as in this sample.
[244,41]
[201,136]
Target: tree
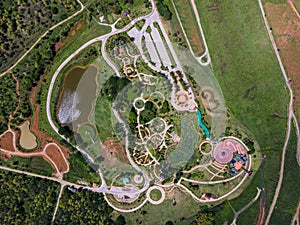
[169,223]
[120,220]
[204,219]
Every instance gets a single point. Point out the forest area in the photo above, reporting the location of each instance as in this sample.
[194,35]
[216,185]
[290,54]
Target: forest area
[23,21]
[84,207]
[26,200]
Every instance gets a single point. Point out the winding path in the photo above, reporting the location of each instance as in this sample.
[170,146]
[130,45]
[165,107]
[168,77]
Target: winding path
[290,113]
[236,214]
[40,38]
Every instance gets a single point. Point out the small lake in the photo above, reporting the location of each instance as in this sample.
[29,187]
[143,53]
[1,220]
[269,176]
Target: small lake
[77,95]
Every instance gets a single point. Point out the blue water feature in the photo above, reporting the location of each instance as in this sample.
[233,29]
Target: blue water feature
[201,124]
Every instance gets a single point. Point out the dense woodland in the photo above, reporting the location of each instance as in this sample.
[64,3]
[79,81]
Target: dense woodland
[164,10]
[83,207]
[26,200]
[8,100]
[22,21]
[28,72]
[106,7]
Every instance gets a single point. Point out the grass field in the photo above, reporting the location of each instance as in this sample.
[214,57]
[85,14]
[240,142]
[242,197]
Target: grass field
[289,195]
[189,23]
[248,72]
[34,165]
[149,214]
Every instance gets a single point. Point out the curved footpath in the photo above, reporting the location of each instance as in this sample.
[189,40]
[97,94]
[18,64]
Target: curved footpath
[290,114]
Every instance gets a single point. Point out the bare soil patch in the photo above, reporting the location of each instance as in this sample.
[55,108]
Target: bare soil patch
[73,31]
[4,156]
[286,30]
[6,142]
[44,137]
[116,149]
[58,45]
[53,152]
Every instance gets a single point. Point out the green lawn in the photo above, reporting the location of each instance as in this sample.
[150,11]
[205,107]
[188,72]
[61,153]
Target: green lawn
[289,193]
[247,70]
[34,165]
[149,214]
[190,25]
[155,195]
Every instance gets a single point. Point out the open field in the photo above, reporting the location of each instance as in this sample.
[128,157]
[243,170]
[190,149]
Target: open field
[248,72]
[286,30]
[289,195]
[6,141]
[185,207]
[188,20]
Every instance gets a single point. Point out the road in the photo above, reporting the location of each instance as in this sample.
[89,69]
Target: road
[40,38]
[290,114]
[294,8]
[125,210]
[62,182]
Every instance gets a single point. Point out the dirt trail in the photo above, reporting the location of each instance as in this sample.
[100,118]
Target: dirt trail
[294,8]
[296,216]
[290,112]
[40,38]
[56,155]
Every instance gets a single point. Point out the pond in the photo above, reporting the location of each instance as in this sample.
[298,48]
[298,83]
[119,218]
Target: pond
[77,95]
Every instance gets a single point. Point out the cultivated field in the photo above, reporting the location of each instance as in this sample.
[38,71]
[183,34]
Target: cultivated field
[286,30]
